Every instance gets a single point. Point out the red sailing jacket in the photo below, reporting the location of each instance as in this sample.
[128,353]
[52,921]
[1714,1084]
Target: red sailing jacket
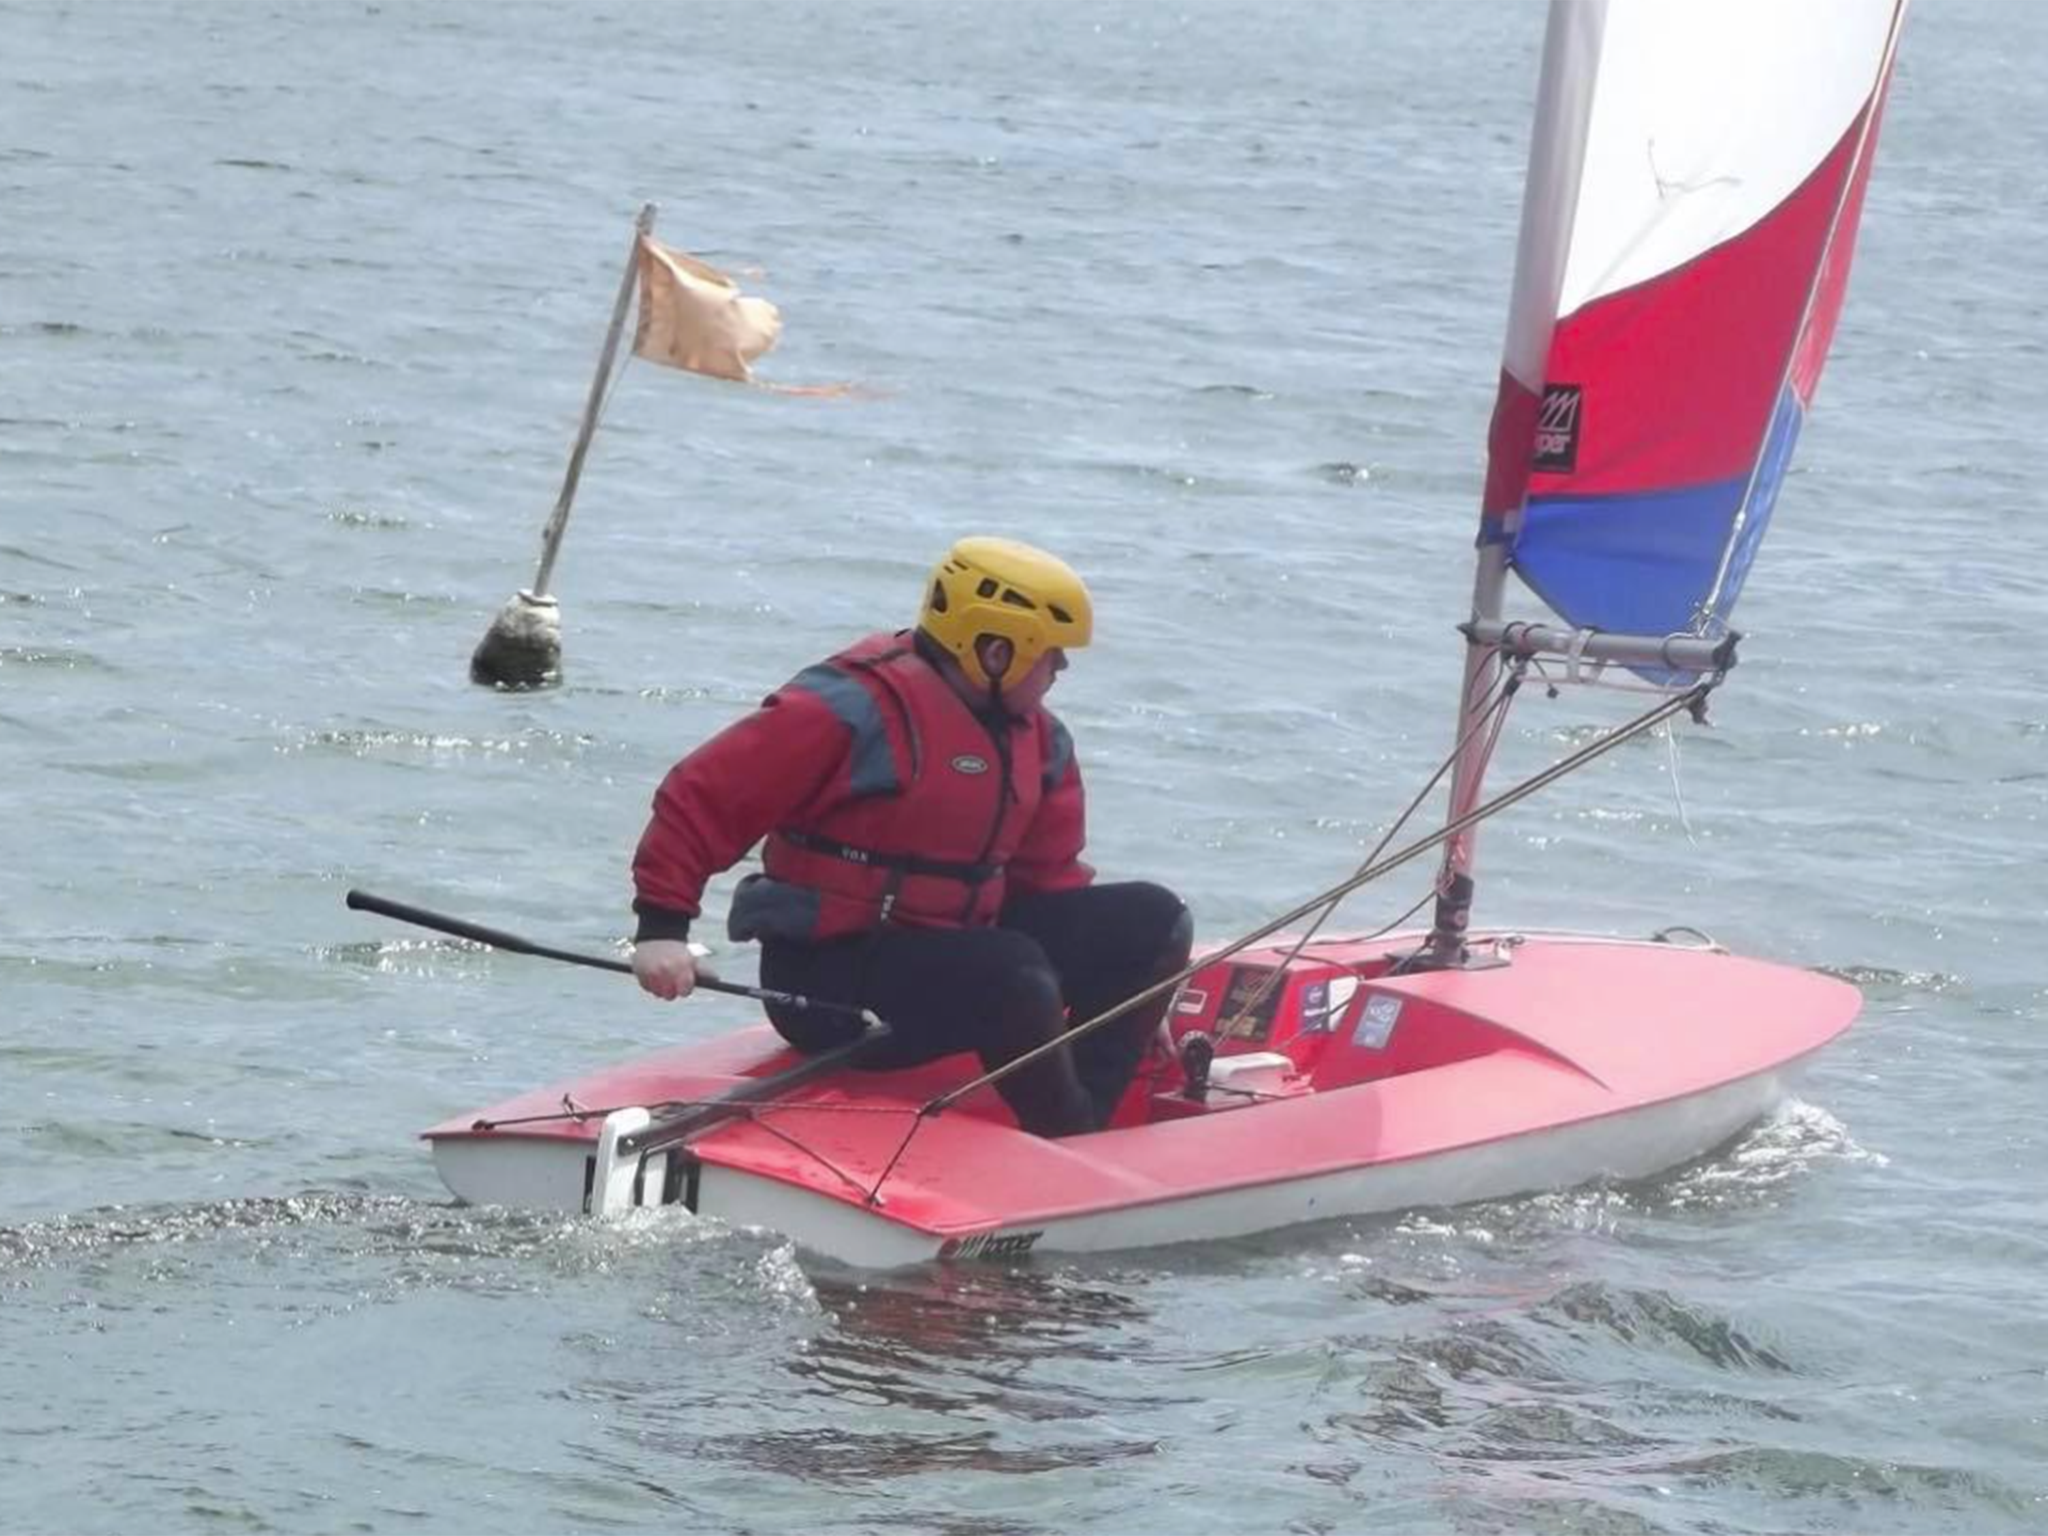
[883,797]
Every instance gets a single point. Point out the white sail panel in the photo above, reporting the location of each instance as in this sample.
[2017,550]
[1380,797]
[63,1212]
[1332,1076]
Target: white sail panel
[1706,118]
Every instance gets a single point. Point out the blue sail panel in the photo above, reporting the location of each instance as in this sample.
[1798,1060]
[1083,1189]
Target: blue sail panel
[1643,563]
[1636,564]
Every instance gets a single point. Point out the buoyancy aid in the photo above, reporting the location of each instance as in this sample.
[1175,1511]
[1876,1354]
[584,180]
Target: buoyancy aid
[924,812]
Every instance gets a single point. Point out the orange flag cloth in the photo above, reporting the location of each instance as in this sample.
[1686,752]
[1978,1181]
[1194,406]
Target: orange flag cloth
[693,316]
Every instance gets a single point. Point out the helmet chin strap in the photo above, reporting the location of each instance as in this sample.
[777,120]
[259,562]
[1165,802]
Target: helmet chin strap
[997,704]
[995,679]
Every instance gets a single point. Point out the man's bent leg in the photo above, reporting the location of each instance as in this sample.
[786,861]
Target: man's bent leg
[1108,942]
[1047,1095]
[987,990]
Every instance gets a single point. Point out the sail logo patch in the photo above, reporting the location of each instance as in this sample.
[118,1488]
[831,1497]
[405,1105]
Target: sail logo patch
[990,1245]
[1557,429]
[967,762]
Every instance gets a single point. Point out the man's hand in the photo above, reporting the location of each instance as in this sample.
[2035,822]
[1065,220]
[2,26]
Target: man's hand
[665,967]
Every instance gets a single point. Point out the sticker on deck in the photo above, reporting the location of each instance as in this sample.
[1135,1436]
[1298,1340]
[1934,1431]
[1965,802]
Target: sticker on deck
[1376,1022]
[1249,1004]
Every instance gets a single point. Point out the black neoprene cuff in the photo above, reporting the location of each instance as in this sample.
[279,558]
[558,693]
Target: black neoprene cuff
[660,922]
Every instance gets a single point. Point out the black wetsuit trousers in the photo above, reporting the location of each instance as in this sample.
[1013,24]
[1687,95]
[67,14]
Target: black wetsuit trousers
[1053,959]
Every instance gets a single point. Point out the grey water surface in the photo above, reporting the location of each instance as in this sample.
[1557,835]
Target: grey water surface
[298,306]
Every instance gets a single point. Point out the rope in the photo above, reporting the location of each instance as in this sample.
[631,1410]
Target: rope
[1495,710]
[753,1112]
[571,1110]
[871,1196]
[1678,787]
[874,1196]
[1692,699]
[1492,717]
[668,1106]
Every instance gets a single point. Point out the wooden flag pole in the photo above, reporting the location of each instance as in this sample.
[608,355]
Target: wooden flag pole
[558,520]
[523,647]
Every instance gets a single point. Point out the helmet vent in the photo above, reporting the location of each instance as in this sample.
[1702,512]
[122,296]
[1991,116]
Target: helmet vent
[1017,599]
[938,597]
[1059,613]
[987,587]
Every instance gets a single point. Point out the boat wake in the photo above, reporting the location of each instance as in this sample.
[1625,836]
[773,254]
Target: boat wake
[1778,1151]
[386,1242]
[1752,1171]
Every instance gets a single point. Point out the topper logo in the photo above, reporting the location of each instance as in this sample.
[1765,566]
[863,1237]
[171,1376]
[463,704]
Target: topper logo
[990,1245]
[1557,429]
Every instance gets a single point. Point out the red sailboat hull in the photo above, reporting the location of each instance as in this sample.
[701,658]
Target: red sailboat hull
[1348,1090]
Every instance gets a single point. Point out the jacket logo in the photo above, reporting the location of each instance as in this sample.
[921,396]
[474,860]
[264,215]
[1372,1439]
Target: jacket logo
[967,762]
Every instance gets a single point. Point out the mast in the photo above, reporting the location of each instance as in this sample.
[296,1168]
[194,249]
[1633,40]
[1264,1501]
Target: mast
[1446,944]
[1564,109]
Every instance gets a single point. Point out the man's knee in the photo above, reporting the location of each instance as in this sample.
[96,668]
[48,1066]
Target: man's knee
[1161,912]
[1031,992]
[1025,987]
[1179,942]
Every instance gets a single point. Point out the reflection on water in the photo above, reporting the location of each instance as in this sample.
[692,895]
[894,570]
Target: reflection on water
[855,1458]
[979,1312]
[936,1372]
[1009,1345]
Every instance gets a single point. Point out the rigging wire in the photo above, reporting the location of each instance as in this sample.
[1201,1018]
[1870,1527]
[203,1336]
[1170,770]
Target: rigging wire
[667,1108]
[870,1196]
[1492,711]
[1491,718]
[1677,785]
[1692,699]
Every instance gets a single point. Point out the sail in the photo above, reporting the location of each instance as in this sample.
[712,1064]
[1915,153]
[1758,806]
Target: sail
[1694,184]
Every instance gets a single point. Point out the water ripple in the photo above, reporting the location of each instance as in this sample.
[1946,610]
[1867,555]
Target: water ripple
[1653,1319]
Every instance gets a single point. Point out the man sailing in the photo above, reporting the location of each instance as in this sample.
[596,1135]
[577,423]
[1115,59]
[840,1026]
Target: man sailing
[925,820]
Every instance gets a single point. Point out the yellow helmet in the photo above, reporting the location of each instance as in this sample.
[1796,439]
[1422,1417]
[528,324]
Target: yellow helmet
[1001,587]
